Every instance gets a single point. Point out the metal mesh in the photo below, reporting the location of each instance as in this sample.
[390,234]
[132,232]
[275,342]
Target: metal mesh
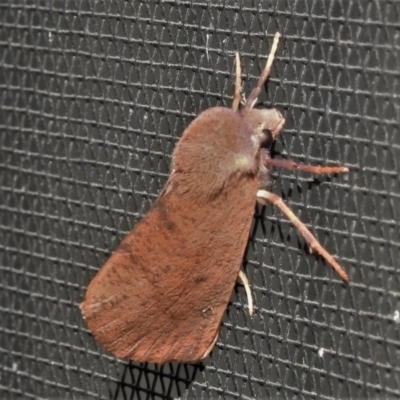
[93,97]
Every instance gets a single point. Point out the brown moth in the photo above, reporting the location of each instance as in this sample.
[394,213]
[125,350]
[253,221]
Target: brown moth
[162,294]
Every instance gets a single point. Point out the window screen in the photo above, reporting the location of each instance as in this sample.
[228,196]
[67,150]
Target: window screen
[94,96]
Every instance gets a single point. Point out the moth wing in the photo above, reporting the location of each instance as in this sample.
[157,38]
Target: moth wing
[162,294]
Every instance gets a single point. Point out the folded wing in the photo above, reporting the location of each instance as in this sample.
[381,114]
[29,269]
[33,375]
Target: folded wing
[162,294]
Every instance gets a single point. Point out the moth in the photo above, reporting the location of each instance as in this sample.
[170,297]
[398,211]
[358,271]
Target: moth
[162,294]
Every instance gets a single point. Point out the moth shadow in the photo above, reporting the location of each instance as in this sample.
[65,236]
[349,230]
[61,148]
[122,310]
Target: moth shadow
[269,223]
[151,381]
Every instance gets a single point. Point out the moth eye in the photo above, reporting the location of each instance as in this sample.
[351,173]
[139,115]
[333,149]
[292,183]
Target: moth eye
[266,139]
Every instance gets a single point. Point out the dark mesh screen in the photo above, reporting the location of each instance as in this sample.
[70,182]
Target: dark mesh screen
[93,97]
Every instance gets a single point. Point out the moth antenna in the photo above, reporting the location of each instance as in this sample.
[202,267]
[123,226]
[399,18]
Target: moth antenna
[245,281]
[263,196]
[238,85]
[252,99]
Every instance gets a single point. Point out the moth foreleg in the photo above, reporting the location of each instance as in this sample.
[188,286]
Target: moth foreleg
[313,169]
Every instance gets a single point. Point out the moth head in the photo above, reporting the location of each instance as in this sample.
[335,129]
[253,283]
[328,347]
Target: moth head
[265,125]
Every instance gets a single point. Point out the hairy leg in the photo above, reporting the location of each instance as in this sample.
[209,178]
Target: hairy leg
[264,197]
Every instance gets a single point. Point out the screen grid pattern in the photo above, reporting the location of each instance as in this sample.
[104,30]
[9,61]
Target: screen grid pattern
[94,96]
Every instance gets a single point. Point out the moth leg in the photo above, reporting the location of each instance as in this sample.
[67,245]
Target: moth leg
[245,281]
[313,169]
[252,99]
[209,348]
[263,197]
[237,96]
